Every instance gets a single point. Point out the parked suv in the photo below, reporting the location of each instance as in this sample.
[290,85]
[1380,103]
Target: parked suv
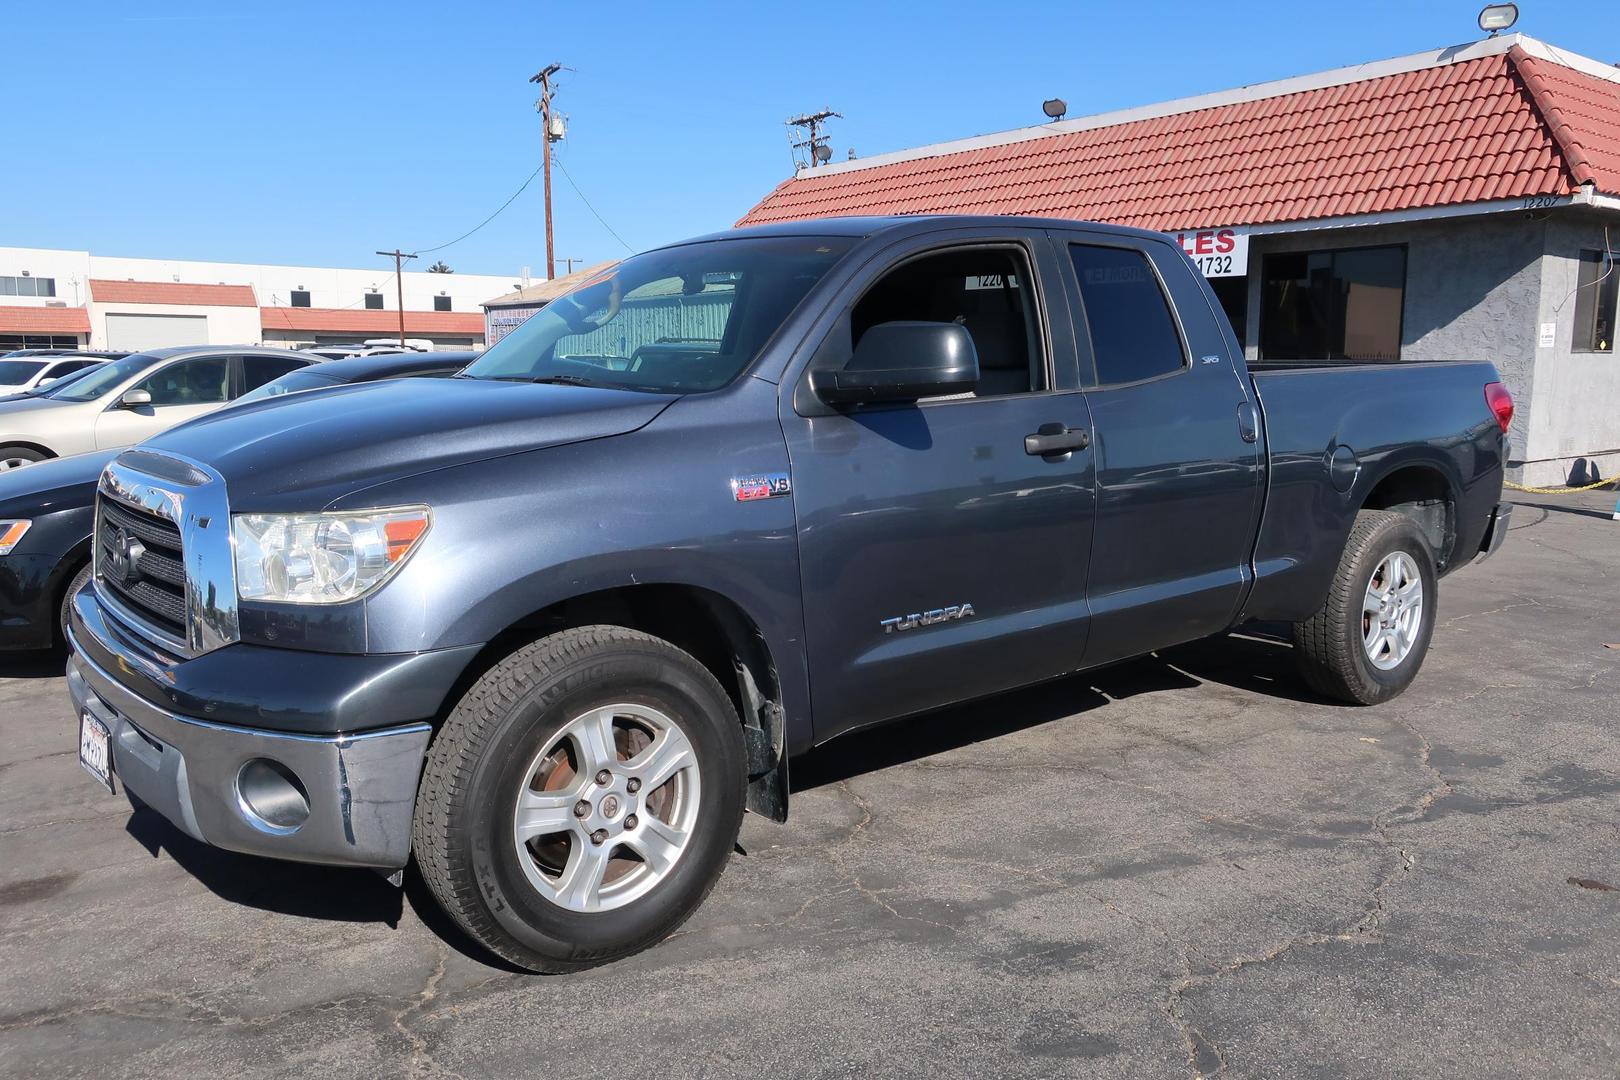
[134,398]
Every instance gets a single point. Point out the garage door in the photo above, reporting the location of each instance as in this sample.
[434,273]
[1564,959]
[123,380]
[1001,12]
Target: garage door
[137,332]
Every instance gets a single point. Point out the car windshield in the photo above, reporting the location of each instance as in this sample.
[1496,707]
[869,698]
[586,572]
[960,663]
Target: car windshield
[290,383]
[17,372]
[679,320]
[51,385]
[103,379]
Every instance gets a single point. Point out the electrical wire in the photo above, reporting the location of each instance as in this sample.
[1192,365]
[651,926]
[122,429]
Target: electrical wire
[492,217]
[592,209]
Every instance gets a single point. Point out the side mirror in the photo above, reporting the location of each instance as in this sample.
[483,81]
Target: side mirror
[903,361]
[134,399]
[46,381]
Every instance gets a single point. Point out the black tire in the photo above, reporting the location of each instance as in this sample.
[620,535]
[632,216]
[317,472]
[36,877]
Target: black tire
[78,582]
[20,455]
[475,769]
[1329,646]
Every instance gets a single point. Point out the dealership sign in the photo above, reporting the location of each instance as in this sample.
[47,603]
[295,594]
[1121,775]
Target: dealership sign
[1217,252]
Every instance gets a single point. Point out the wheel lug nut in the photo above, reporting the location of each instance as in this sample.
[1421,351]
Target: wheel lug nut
[582,808]
[630,822]
[599,836]
[604,778]
[634,785]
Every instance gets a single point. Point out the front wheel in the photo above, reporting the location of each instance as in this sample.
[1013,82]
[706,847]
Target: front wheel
[1369,639]
[582,799]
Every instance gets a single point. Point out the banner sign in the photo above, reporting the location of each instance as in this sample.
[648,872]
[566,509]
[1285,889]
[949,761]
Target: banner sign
[1217,252]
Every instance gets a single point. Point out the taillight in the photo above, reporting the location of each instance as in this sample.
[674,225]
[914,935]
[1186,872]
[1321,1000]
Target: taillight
[1501,403]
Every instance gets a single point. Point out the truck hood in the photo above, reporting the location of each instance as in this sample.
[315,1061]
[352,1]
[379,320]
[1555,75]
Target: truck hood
[304,450]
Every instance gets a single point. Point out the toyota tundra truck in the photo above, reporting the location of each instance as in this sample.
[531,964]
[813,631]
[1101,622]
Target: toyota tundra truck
[551,626]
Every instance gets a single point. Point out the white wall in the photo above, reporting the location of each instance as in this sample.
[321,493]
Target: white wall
[226,325]
[329,287]
[71,269]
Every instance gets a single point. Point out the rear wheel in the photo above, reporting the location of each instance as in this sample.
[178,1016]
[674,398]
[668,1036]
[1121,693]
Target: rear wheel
[1369,639]
[15,457]
[582,799]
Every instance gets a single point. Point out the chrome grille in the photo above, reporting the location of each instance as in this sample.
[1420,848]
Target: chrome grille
[153,583]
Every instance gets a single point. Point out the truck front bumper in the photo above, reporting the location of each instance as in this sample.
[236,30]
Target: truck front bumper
[342,799]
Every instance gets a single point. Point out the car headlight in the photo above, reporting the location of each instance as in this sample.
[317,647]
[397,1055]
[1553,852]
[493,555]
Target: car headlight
[322,558]
[11,534]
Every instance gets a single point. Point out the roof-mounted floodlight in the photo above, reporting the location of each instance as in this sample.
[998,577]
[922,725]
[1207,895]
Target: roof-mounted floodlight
[1498,17]
[1056,108]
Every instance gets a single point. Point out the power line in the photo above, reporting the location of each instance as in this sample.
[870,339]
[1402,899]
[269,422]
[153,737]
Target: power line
[492,217]
[592,209]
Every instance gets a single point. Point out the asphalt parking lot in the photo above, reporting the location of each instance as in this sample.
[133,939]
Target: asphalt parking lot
[1180,865]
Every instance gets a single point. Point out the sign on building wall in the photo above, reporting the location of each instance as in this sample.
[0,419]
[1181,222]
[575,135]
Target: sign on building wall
[1217,252]
[499,322]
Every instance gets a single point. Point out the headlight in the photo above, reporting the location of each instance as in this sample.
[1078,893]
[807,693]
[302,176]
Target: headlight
[11,534]
[322,558]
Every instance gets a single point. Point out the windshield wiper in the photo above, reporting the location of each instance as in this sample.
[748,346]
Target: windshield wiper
[565,380]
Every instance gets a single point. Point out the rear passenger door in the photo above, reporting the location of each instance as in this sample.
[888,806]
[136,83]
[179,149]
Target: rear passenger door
[258,369]
[1176,445]
[940,559]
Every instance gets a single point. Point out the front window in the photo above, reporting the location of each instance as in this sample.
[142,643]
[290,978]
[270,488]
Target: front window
[1343,304]
[102,380]
[17,372]
[680,320]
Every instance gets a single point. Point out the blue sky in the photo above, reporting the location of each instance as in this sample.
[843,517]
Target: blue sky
[317,133]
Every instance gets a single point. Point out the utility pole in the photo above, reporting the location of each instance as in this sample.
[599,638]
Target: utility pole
[399,280]
[544,105]
[569,268]
[819,153]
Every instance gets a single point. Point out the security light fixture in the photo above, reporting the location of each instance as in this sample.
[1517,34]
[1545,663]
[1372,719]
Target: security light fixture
[1056,108]
[1498,17]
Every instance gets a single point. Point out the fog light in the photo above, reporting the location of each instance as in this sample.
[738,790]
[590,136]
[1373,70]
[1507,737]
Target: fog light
[271,796]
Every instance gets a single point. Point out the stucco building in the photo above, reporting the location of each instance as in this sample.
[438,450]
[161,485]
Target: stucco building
[1462,203]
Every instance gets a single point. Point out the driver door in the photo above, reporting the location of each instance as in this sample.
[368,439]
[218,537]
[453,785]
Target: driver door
[180,391]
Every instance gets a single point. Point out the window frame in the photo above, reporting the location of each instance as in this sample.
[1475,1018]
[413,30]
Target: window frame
[367,299]
[294,294]
[1043,333]
[1090,378]
[444,300]
[1609,279]
[1400,327]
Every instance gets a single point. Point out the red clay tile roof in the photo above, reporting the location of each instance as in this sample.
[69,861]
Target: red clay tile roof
[1583,114]
[1462,132]
[105,291]
[367,321]
[44,320]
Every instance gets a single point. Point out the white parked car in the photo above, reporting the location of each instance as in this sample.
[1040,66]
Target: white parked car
[20,374]
[128,400]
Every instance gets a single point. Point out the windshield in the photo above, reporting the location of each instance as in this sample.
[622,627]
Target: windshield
[17,372]
[51,385]
[103,379]
[680,320]
[290,383]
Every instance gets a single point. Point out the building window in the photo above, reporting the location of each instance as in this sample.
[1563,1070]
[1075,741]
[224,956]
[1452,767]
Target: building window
[1343,304]
[374,301]
[1133,336]
[1595,293]
[441,303]
[27,286]
[300,298]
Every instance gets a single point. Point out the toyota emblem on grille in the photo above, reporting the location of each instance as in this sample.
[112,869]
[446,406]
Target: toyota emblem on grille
[124,556]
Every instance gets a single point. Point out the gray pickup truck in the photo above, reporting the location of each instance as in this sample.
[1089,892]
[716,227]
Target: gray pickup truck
[552,625]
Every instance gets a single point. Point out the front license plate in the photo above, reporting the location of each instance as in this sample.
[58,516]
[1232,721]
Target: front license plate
[94,753]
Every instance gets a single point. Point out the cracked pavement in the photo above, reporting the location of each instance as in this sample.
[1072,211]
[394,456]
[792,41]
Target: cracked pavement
[1179,866]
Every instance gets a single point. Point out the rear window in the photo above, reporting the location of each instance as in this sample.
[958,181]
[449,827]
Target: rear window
[1133,335]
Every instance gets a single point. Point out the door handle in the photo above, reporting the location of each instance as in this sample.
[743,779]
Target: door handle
[1248,425]
[1056,441]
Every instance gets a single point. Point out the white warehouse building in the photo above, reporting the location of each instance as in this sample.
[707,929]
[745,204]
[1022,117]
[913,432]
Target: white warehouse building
[53,298]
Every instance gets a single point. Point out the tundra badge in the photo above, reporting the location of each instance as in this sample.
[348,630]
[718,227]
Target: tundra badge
[760,486]
[926,618]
